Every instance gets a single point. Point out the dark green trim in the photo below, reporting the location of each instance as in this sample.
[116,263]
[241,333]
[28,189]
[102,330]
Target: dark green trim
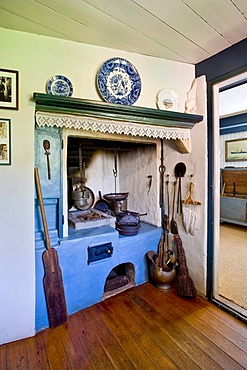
[233,85]
[230,60]
[98,109]
[211,182]
[232,124]
[211,179]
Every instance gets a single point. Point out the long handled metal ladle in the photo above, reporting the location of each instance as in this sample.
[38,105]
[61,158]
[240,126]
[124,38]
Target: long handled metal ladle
[46,146]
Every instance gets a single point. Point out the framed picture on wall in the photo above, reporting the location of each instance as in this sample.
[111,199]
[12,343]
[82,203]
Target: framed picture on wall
[9,89]
[236,150]
[5,144]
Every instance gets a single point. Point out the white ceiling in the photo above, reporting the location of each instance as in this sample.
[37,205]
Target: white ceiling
[181,30]
[233,101]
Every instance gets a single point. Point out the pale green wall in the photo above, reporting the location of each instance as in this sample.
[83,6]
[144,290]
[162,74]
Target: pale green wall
[37,58]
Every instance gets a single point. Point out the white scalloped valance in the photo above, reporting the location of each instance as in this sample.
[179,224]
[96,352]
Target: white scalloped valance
[110,126]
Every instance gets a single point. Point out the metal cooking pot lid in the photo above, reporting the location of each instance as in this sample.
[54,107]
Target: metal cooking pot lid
[101,206]
[128,219]
[127,226]
[116,196]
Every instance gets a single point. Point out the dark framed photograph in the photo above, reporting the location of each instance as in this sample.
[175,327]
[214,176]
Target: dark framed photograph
[5,142]
[236,150]
[9,89]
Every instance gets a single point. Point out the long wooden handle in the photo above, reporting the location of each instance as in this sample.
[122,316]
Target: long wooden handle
[42,209]
[48,165]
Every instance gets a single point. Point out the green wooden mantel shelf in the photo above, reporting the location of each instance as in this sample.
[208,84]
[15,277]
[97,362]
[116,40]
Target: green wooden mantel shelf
[118,112]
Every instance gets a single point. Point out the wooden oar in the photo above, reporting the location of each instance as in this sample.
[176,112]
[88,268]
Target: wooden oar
[53,281]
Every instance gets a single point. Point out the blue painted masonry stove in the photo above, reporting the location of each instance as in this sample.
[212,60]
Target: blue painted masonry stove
[83,282]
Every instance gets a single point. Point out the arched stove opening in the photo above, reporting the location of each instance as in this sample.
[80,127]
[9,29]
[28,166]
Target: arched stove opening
[121,277]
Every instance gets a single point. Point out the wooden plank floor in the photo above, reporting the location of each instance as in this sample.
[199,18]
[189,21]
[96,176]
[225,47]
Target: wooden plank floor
[141,328]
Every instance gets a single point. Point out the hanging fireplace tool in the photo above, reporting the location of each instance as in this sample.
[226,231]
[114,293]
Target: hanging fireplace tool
[47,146]
[82,196]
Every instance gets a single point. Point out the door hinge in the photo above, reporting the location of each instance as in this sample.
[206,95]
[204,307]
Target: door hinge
[62,144]
[62,219]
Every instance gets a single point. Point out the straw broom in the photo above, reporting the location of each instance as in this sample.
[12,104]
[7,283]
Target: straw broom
[184,283]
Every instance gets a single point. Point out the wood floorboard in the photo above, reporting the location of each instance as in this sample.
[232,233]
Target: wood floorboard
[150,324]
[3,359]
[73,347]
[16,356]
[140,328]
[96,354]
[149,345]
[108,341]
[129,346]
[221,322]
[36,353]
[180,342]
[189,310]
[222,316]
[186,335]
[231,341]
[161,302]
[219,326]
[56,354]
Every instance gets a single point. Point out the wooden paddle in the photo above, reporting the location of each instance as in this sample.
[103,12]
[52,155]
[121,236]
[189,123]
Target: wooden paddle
[53,281]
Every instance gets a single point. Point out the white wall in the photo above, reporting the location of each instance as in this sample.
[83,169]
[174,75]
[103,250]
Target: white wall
[196,164]
[37,58]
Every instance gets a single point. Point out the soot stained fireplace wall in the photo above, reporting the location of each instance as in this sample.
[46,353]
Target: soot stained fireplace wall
[113,166]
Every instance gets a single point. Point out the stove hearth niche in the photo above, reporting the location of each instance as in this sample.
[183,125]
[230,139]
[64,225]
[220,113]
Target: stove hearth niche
[121,277]
[107,166]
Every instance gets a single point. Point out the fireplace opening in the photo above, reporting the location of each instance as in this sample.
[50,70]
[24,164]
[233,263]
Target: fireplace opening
[120,278]
[98,167]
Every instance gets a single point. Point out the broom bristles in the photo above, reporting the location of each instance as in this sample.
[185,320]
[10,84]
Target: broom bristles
[184,283]
[185,286]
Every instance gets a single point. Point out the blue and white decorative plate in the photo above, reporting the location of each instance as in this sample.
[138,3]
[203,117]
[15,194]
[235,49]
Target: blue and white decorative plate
[119,82]
[59,85]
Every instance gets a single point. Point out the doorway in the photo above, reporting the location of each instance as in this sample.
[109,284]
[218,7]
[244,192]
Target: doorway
[230,236]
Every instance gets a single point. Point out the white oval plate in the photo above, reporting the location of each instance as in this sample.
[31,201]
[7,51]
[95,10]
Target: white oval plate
[167,100]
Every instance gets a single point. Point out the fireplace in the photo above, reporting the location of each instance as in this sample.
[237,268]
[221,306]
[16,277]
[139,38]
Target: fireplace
[124,173]
[97,261]
[109,149]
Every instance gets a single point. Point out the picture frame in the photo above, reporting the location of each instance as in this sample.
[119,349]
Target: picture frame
[9,89]
[5,141]
[236,150]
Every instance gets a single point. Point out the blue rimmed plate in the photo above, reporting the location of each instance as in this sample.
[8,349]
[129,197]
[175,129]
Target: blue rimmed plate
[119,82]
[59,85]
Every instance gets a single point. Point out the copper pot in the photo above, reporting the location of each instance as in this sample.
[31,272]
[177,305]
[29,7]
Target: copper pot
[162,279]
